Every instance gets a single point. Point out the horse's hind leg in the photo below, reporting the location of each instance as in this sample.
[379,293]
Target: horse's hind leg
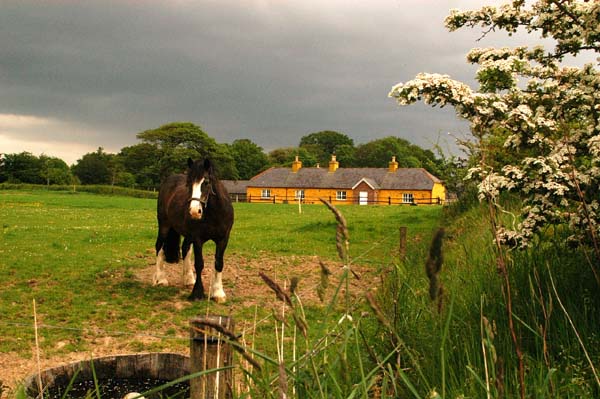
[216,290]
[188,277]
[160,277]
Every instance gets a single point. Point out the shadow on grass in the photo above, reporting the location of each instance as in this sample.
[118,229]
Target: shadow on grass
[136,290]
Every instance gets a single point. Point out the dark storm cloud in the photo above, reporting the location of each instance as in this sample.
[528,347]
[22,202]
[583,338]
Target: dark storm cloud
[268,71]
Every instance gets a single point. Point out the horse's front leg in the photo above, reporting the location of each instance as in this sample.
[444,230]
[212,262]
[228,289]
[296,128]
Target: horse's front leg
[216,290]
[198,290]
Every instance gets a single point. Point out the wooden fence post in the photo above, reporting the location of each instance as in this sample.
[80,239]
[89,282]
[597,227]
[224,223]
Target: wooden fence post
[402,251]
[209,351]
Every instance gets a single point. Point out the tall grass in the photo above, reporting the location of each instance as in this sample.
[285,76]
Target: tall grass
[465,348]
[416,341]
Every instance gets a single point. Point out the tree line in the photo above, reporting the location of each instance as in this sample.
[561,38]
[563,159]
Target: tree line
[165,150]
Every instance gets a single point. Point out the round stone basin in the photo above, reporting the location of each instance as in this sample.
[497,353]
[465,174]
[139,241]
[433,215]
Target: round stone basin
[116,375]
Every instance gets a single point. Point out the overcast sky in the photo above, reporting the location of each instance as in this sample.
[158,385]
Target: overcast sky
[78,75]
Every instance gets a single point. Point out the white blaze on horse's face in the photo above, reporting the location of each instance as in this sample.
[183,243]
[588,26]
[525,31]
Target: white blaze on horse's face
[195,204]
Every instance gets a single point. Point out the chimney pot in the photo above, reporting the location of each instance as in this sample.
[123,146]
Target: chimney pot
[393,165]
[296,165]
[333,164]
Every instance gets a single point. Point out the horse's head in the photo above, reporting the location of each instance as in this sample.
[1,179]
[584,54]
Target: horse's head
[200,177]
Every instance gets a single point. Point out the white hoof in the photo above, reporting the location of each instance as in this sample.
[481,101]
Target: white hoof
[189,279]
[160,281]
[216,291]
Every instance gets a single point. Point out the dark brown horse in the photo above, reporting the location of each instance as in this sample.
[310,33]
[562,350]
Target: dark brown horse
[194,205]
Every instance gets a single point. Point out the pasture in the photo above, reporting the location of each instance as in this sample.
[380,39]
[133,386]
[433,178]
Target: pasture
[87,260]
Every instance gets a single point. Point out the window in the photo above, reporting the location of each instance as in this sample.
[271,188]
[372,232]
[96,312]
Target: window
[265,193]
[299,194]
[407,198]
[340,196]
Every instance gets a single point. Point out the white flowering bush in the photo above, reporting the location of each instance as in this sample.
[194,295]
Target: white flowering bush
[547,114]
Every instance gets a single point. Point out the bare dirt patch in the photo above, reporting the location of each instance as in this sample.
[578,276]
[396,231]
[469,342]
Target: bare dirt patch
[242,281]
[243,286]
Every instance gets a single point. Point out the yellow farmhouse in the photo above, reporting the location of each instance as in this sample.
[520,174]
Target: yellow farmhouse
[391,186]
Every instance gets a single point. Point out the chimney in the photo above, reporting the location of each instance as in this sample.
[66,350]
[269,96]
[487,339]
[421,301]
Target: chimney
[393,165]
[333,164]
[296,165]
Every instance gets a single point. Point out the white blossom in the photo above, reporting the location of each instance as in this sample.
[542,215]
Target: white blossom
[550,121]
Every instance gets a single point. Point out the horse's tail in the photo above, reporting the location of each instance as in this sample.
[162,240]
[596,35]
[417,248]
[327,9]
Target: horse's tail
[171,246]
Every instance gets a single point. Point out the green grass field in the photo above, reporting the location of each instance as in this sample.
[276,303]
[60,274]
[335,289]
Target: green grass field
[87,260]
[77,255]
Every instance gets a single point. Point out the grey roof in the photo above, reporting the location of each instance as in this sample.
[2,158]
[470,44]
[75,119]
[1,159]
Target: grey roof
[369,181]
[235,186]
[346,178]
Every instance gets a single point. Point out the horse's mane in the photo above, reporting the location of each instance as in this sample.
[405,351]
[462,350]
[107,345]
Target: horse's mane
[219,188]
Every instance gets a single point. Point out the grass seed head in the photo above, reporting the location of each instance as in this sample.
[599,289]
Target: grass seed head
[434,287]
[378,312]
[294,285]
[324,283]
[279,317]
[280,293]
[433,265]
[342,237]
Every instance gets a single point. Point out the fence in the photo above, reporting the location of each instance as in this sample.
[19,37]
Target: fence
[275,199]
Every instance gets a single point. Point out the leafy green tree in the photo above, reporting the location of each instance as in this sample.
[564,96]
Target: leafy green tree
[94,168]
[125,179]
[325,143]
[21,168]
[174,160]
[55,170]
[182,135]
[116,170]
[285,156]
[345,155]
[378,153]
[226,167]
[453,171]
[141,161]
[250,159]
[179,140]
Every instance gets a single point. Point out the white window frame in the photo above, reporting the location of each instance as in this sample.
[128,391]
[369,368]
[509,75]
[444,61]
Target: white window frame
[265,193]
[299,194]
[341,195]
[408,198]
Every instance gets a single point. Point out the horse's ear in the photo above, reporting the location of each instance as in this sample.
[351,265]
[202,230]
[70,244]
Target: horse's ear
[208,166]
[190,162]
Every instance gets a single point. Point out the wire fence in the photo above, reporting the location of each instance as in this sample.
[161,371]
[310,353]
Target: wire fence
[290,199]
